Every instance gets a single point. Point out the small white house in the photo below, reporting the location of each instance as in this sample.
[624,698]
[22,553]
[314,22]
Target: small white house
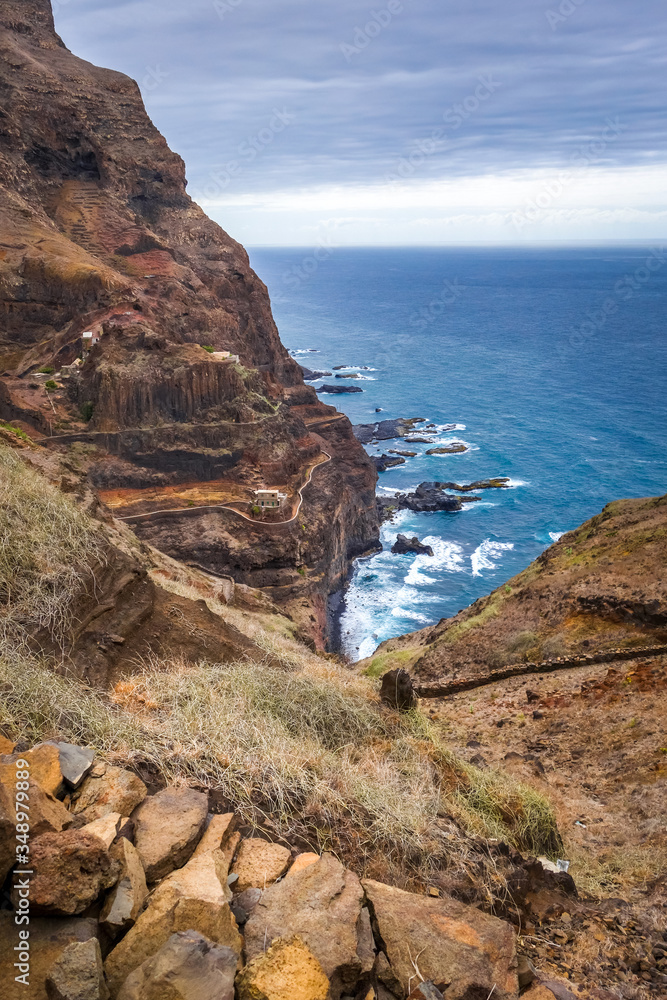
[270,499]
[89,340]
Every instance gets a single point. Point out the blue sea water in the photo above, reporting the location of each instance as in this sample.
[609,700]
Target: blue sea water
[552,361]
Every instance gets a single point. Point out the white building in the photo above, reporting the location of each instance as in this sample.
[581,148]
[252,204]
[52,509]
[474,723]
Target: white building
[89,340]
[270,499]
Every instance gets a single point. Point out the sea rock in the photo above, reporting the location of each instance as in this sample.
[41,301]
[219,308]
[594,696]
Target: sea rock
[384,462]
[47,815]
[123,904]
[311,376]
[194,898]
[75,762]
[427,497]
[71,869]
[385,430]
[404,545]
[288,970]
[397,690]
[350,375]
[108,789]
[48,940]
[77,973]
[456,448]
[302,861]
[403,454]
[322,904]
[168,827]
[339,388]
[187,967]
[105,829]
[259,864]
[474,952]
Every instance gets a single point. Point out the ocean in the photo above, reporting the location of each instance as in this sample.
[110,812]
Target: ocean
[552,364]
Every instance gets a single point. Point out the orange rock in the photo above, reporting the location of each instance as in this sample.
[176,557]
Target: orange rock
[302,861]
[288,970]
[217,834]
[259,864]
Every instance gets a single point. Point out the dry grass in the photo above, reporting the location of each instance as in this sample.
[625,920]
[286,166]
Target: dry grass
[47,547]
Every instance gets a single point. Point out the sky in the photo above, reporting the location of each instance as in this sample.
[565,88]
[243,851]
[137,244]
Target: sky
[404,122]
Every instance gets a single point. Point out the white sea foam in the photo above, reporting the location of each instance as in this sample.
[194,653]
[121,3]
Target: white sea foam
[517,482]
[483,556]
[307,350]
[448,557]
[555,535]
[411,615]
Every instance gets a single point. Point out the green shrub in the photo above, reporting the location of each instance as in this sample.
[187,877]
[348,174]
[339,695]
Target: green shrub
[87,409]
[46,370]
[209,348]
[50,384]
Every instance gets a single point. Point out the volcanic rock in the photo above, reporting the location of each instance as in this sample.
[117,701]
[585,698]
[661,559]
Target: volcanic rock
[384,462]
[44,761]
[217,834]
[456,944]
[48,940]
[168,827]
[123,904]
[105,829]
[311,376]
[77,973]
[404,546]
[456,448]
[384,430]
[47,815]
[259,864]
[322,904]
[195,897]
[108,789]
[288,970]
[71,869]
[188,967]
[75,762]
[302,861]
[339,388]
[397,690]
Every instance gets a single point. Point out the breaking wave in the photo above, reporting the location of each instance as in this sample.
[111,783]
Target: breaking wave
[484,555]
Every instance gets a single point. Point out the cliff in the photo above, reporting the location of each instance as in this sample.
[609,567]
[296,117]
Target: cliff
[98,234]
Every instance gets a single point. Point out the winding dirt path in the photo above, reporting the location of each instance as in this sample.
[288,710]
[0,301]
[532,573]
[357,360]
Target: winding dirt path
[224,506]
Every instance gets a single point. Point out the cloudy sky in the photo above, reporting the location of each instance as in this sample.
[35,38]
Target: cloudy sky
[403,121]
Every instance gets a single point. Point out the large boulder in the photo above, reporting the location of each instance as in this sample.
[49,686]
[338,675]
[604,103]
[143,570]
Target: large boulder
[47,815]
[123,904]
[167,829]
[187,967]
[195,898]
[323,905]
[108,789]
[48,940]
[288,970]
[71,869]
[259,864]
[451,943]
[218,833]
[77,973]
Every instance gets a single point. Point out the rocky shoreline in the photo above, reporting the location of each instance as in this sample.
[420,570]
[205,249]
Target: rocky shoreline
[430,497]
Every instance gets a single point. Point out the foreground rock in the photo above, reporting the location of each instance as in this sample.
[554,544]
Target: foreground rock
[108,789]
[322,905]
[455,944]
[47,815]
[123,904]
[195,898]
[72,869]
[397,690]
[167,828]
[259,864]
[77,974]
[188,967]
[48,940]
[404,546]
[385,430]
[288,970]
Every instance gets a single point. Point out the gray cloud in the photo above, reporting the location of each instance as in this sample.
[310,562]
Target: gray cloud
[358,103]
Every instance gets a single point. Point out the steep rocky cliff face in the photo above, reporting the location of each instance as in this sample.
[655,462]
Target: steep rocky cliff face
[98,234]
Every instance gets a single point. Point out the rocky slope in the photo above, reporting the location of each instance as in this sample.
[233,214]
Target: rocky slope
[97,233]
[599,593]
